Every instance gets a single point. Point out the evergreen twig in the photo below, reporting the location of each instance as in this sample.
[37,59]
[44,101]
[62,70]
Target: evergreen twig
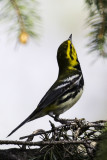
[22,18]
[98,22]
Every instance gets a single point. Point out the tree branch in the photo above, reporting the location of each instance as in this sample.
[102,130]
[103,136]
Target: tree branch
[76,139]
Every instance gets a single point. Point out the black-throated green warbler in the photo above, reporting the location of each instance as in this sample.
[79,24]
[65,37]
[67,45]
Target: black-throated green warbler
[67,89]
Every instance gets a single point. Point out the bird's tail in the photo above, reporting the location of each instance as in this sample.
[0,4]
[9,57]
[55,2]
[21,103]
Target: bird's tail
[33,116]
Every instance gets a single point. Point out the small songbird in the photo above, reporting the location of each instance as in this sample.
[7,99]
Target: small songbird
[66,90]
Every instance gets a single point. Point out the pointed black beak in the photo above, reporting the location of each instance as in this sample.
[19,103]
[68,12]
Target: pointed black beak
[70,38]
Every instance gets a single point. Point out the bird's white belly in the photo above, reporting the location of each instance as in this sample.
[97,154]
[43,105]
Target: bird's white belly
[68,104]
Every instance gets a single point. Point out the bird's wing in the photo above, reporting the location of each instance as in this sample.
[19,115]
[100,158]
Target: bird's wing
[57,90]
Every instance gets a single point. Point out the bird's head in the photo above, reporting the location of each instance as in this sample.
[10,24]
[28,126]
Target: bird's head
[67,56]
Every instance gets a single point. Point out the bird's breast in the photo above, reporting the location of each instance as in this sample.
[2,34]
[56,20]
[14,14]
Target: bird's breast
[67,102]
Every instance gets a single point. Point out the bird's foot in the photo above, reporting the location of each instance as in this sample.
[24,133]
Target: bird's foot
[57,119]
[63,121]
[68,121]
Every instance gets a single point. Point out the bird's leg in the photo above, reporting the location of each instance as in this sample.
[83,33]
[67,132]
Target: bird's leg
[51,114]
[57,119]
[63,121]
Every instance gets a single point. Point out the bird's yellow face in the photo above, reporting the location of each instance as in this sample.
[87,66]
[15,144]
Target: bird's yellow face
[71,54]
[67,56]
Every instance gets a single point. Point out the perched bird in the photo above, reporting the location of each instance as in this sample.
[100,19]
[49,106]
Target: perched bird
[67,89]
